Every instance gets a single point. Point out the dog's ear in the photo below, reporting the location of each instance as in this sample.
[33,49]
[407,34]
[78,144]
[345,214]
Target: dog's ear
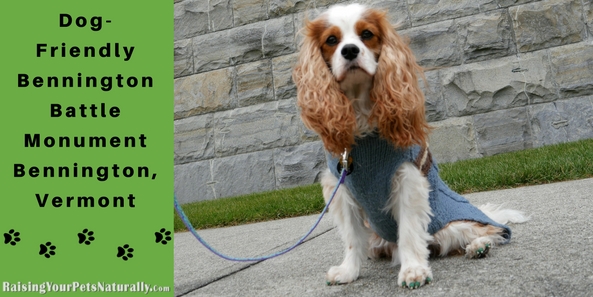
[399,102]
[323,106]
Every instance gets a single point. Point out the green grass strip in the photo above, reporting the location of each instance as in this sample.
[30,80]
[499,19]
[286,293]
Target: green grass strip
[548,164]
[252,208]
[542,165]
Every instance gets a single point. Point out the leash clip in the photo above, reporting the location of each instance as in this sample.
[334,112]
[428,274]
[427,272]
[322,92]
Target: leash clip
[345,159]
[345,163]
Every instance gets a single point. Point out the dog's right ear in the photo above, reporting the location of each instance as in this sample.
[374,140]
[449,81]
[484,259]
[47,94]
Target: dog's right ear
[324,107]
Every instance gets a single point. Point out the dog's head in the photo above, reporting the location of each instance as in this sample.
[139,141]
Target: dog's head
[352,49]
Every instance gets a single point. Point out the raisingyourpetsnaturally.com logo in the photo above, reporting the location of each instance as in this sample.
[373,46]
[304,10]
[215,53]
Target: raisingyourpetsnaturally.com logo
[50,287]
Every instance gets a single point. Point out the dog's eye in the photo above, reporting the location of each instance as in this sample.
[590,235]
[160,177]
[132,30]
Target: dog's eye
[332,40]
[366,35]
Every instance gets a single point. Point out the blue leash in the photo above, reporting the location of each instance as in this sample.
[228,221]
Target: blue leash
[204,243]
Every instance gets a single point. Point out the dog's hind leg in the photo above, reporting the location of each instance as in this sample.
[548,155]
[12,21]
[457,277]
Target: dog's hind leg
[489,235]
[475,238]
[348,218]
[411,209]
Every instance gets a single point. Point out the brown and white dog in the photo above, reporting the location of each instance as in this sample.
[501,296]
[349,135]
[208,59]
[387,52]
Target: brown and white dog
[355,76]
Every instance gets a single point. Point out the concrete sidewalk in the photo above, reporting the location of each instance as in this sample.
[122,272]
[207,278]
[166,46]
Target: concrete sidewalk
[550,255]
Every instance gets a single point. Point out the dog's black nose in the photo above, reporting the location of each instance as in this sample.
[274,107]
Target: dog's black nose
[350,52]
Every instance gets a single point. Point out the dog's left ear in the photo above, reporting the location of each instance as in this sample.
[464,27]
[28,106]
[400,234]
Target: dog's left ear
[399,102]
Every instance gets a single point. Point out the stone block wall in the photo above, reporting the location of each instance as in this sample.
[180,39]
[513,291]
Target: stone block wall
[503,75]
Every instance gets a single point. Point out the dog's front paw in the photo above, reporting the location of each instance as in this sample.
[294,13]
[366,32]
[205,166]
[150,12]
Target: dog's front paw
[478,248]
[342,274]
[415,276]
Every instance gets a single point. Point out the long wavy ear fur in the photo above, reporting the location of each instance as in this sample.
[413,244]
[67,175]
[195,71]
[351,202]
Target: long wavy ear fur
[398,107]
[323,106]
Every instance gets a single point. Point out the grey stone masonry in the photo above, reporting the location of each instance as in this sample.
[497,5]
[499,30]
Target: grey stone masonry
[548,23]
[500,76]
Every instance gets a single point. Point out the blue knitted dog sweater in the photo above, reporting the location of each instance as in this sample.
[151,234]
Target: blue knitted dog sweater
[375,161]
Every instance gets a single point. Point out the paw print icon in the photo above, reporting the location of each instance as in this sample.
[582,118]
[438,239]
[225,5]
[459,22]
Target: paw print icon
[163,236]
[125,252]
[47,249]
[86,237]
[12,237]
